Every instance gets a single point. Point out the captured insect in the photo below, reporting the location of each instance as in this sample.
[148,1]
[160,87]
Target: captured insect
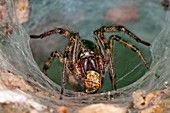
[85,65]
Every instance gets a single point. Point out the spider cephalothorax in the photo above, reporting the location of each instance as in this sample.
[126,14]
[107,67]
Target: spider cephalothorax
[86,62]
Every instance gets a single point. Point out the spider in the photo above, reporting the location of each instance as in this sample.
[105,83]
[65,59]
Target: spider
[85,62]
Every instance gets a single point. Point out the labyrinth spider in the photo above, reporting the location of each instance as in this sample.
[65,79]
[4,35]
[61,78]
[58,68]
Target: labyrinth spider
[86,65]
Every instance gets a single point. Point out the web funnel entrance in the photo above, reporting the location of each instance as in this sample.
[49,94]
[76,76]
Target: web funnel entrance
[17,60]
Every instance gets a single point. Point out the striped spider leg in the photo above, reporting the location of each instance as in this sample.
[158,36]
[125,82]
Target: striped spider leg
[67,54]
[107,46]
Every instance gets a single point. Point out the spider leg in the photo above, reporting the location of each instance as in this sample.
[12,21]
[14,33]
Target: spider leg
[132,47]
[71,35]
[99,37]
[54,31]
[50,60]
[77,45]
[67,54]
[123,29]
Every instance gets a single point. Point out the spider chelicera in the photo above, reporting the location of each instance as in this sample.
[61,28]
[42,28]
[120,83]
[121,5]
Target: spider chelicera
[85,65]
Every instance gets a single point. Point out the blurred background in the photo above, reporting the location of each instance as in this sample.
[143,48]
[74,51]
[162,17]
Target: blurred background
[144,18]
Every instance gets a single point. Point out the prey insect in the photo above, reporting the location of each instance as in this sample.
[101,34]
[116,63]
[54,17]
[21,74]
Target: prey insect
[85,65]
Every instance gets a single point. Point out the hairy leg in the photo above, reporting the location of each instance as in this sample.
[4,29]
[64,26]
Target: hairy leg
[99,37]
[123,29]
[50,60]
[54,31]
[67,54]
[132,47]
